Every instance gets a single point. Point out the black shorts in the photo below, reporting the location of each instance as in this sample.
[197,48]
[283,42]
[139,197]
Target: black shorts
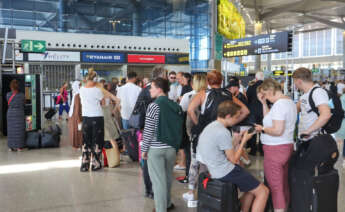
[242,179]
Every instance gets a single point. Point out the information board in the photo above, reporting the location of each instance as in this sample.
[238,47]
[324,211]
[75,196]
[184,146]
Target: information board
[103,57]
[261,44]
[150,59]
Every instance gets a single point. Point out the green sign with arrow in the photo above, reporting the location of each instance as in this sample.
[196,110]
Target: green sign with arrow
[37,46]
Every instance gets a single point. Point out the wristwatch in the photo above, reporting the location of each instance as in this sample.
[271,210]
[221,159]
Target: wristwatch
[263,130]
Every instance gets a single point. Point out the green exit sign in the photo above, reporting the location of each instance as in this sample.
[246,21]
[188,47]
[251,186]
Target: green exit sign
[38,46]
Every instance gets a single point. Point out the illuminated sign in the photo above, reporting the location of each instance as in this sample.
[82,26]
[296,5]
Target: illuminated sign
[261,44]
[230,22]
[102,57]
[149,59]
[281,73]
[177,59]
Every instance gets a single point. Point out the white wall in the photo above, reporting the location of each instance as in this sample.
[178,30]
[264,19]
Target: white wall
[60,38]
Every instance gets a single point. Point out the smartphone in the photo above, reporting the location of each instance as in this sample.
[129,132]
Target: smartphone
[304,135]
[236,129]
[251,130]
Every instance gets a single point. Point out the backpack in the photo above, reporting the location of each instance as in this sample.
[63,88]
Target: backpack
[137,119]
[214,99]
[334,123]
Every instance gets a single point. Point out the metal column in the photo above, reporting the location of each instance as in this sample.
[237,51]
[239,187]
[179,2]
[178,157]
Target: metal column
[213,21]
[257,31]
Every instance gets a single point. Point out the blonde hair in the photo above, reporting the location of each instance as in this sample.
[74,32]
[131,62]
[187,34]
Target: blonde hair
[269,84]
[91,74]
[199,82]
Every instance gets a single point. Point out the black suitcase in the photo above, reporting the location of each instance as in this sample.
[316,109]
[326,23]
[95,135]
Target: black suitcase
[49,115]
[49,140]
[50,136]
[33,140]
[129,138]
[313,193]
[217,196]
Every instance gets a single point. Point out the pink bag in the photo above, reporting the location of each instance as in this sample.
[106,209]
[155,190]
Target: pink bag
[140,137]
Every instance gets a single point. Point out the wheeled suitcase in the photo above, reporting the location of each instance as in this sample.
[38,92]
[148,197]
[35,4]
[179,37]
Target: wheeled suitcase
[129,138]
[33,139]
[217,196]
[49,115]
[313,193]
[113,154]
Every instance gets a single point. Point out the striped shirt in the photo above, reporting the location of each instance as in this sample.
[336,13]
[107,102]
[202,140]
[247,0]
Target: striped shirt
[150,130]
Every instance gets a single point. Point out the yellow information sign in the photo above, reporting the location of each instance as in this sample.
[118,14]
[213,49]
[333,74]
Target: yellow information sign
[230,22]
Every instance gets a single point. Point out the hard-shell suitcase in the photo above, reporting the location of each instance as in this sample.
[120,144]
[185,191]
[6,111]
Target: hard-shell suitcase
[113,154]
[129,138]
[217,196]
[313,193]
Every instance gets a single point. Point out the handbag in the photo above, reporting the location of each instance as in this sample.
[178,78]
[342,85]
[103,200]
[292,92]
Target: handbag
[137,119]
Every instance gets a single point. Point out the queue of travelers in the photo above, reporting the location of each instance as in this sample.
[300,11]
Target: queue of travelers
[193,116]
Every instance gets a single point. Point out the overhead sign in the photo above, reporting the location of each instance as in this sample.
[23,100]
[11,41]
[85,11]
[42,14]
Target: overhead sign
[57,56]
[281,73]
[230,22]
[261,44]
[38,46]
[149,59]
[102,57]
[177,59]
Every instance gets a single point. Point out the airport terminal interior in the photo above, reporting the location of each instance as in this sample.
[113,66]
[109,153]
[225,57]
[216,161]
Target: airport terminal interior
[53,51]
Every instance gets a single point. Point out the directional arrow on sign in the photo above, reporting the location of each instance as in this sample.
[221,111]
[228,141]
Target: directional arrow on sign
[39,46]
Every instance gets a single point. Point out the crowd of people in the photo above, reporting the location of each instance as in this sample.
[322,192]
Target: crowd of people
[194,117]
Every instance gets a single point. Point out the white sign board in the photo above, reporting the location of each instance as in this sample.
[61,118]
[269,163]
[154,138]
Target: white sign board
[57,56]
[19,56]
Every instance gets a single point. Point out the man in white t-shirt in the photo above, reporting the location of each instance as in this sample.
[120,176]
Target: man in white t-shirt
[340,88]
[175,85]
[310,123]
[128,95]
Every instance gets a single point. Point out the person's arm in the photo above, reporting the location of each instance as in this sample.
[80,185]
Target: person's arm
[325,115]
[234,156]
[151,122]
[276,130]
[195,103]
[263,101]
[107,94]
[244,110]
[298,105]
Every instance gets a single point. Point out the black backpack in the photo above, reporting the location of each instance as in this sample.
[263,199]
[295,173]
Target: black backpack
[214,99]
[137,119]
[334,124]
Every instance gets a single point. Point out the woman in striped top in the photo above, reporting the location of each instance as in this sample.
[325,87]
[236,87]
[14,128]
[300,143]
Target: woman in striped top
[161,139]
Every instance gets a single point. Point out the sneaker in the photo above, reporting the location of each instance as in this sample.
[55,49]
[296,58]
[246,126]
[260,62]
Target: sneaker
[188,196]
[178,167]
[183,180]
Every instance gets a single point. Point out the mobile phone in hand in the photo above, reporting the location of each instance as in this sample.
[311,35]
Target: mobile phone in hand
[251,130]
[236,129]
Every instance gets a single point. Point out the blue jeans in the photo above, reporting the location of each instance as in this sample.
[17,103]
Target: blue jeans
[125,124]
[62,108]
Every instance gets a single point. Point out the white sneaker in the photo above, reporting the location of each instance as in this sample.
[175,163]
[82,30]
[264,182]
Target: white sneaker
[178,167]
[188,196]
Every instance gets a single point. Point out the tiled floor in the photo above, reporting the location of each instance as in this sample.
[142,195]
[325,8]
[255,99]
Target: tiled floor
[49,180]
